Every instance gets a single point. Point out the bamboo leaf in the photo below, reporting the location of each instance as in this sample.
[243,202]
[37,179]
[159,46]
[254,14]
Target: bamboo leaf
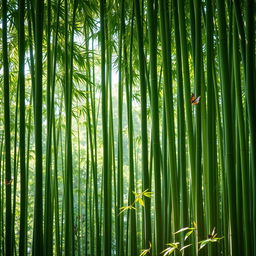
[184,247]
[168,251]
[125,208]
[188,234]
[182,229]
[146,251]
[141,202]
[202,245]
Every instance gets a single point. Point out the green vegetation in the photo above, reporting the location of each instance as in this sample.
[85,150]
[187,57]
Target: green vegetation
[122,122]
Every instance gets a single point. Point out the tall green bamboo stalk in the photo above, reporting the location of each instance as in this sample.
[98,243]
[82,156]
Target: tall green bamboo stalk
[1,193]
[181,126]
[55,187]
[69,205]
[15,169]
[152,29]
[23,178]
[111,152]
[186,77]
[90,108]
[38,212]
[107,210]
[211,195]
[52,132]
[144,139]
[227,117]
[198,142]
[243,147]
[120,189]
[250,96]
[8,216]
[173,193]
[48,209]
[133,243]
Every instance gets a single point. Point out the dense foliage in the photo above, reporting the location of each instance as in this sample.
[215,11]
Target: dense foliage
[127,127]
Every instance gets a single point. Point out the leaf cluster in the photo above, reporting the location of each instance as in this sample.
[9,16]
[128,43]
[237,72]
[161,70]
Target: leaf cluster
[138,199]
[172,247]
[145,252]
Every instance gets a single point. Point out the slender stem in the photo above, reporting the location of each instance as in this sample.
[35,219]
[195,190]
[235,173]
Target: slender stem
[8,220]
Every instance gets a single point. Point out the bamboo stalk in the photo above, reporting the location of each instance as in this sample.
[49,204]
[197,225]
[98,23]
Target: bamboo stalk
[250,96]
[227,116]
[152,29]
[120,191]
[143,99]
[8,191]
[38,212]
[184,211]
[48,209]
[211,121]
[23,176]
[107,210]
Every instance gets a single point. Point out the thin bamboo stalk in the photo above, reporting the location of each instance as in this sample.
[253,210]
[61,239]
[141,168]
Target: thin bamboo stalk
[152,29]
[211,121]
[23,176]
[250,97]
[107,210]
[143,99]
[184,211]
[48,209]
[120,200]
[8,216]
[38,210]
[227,116]
[198,157]
[173,200]
[243,153]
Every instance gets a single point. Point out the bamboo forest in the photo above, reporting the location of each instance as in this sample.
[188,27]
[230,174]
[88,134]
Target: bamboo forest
[127,128]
